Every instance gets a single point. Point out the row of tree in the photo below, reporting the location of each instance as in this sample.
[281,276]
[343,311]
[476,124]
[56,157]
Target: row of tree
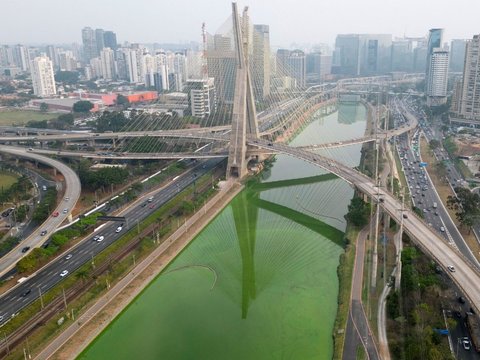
[100,179]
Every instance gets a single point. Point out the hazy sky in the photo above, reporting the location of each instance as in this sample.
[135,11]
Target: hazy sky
[300,21]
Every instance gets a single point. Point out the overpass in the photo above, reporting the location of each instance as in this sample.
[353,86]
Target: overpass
[72,191]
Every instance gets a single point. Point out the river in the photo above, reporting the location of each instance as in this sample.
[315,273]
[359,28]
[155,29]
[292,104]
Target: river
[260,281]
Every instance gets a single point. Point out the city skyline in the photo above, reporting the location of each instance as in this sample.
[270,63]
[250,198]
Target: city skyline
[164,24]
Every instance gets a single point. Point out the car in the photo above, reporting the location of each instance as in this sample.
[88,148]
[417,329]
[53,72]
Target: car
[55,214]
[442,229]
[118,229]
[150,199]
[65,211]
[64,273]
[95,238]
[68,257]
[151,206]
[458,314]
[43,233]
[1,318]
[436,213]
[100,238]
[67,198]
[25,249]
[466,343]
[144,204]
[461,300]
[26,292]
[451,268]
[405,216]
[30,149]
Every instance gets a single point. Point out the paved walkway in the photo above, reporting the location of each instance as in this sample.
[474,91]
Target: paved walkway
[78,335]
[358,331]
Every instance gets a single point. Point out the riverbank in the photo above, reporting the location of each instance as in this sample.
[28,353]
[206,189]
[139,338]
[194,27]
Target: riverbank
[93,321]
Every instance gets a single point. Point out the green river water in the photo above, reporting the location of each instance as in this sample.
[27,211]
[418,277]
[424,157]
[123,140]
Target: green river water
[260,281]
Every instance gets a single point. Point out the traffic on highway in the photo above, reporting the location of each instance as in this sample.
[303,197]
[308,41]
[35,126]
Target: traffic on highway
[64,265]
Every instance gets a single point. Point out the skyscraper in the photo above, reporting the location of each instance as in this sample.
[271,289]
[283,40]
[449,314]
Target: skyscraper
[42,76]
[457,55]
[470,90]
[110,40]
[260,64]
[99,40]
[89,44]
[293,65]
[437,69]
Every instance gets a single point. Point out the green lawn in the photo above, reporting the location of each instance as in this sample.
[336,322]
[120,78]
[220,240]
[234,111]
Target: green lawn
[21,117]
[6,180]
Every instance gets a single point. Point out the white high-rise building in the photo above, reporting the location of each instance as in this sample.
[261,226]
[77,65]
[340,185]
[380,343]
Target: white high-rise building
[202,97]
[437,69]
[437,77]
[42,76]
[131,65]
[67,61]
[107,57]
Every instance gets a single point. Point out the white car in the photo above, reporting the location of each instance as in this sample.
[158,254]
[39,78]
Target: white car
[100,238]
[67,198]
[64,273]
[68,257]
[118,229]
[65,211]
[466,343]
[451,268]
[442,229]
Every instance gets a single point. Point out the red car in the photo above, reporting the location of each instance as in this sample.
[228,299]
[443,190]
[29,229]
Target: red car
[55,214]
[151,206]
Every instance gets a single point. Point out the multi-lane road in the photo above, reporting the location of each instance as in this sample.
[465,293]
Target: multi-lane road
[72,193]
[47,277]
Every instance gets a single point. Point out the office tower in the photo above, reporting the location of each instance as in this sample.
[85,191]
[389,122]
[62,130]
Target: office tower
[107,58]
[470,90]
[260,64]
[52,53]
[457,55]
[96,67]
[161,73]
[292,64]
[222,66]
[436,70]
[99,40]
[318,66]
[89,44]
[195,63]
[201,96]
[362,54]
[42,76]
[402,55]
[110,40]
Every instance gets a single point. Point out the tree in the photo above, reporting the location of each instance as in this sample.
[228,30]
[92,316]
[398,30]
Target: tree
[82,106]
[434,143]
[358,212]
[466,205]
[122,100]
[43,107]
[67,77]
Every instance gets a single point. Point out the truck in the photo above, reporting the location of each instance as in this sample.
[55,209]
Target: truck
[473,326]
[434,205]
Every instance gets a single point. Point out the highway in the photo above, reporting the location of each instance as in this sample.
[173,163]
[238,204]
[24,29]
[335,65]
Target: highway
[72,192]
[47,277]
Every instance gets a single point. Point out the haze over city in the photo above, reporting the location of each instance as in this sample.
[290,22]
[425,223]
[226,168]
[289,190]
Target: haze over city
[305,21]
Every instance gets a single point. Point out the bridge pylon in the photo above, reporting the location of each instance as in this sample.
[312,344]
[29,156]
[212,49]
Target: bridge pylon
[244,116]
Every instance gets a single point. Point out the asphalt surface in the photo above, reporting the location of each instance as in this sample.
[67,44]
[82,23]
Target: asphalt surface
[72,192]
[47,277]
